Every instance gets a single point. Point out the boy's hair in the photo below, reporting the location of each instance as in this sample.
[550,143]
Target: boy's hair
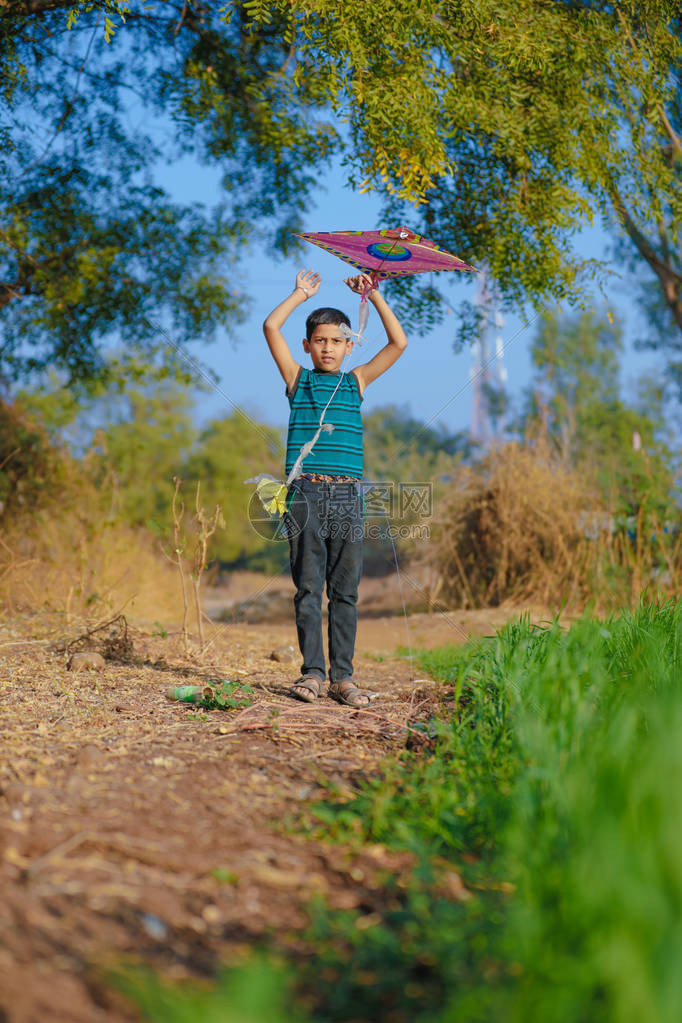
[324,315]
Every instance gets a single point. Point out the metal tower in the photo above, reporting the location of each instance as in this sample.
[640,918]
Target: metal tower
[487,373]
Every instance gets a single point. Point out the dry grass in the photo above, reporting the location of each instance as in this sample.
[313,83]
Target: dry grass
[73,562]
[526,527]
[62,549]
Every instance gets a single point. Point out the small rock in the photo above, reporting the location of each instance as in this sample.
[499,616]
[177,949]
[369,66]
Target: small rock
[86,660]
[212,915]
[154,927]
[283,654]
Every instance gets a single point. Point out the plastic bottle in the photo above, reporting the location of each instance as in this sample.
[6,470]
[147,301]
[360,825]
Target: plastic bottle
[189,694]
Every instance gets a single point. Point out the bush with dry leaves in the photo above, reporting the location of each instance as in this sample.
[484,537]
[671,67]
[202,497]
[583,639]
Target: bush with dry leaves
[525,526]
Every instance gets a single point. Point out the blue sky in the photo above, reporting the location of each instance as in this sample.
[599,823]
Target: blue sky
[430,379]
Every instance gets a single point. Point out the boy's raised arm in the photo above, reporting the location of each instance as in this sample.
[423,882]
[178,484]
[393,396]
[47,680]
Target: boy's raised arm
[307,284]
[397,342]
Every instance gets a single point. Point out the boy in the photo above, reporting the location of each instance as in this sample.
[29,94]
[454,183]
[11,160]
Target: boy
[324,502]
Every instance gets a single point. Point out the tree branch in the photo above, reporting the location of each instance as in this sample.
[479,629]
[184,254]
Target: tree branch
[183,15]
[28,7]
[671,133]
[29,266]
[9,291]
[671,282]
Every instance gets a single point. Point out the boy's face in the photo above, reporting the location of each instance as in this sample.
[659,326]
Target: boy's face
[327,347]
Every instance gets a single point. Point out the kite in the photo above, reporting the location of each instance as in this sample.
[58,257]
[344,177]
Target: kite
[393,252]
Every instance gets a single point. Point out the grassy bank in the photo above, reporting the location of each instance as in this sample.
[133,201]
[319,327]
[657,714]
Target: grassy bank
[546,825]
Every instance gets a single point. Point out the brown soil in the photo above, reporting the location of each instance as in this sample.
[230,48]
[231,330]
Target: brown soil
[132,827]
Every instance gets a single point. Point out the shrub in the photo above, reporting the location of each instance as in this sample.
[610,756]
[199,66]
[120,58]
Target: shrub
[524,526]
[30,467]
[61,549]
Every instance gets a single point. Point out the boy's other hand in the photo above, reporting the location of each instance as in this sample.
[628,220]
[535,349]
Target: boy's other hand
[309,282]
[362,284]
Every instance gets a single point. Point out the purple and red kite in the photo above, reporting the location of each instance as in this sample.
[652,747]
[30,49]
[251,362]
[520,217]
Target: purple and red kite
[393,252]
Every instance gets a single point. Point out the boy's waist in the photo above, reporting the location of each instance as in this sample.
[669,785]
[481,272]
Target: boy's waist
[319,477]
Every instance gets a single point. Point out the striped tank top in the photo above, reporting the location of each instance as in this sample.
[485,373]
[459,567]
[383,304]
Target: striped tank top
[338,453]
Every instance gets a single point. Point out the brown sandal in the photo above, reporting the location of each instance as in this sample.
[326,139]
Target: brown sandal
[312,686]
[347,692]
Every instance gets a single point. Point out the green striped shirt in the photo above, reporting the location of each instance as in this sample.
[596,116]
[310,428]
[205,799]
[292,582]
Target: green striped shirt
[338,453]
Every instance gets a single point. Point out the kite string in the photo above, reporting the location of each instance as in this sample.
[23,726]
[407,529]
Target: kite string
[402,595]
[363,315]
[309,445]
[322,426]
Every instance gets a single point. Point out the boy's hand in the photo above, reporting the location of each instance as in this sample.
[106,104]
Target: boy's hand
[362,284]
[309,282]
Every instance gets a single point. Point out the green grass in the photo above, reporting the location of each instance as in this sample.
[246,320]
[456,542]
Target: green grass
[227,695]
[258,992]
[555,790]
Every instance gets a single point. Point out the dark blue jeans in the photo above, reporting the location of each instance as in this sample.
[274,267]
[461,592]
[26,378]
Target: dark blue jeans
[324,527]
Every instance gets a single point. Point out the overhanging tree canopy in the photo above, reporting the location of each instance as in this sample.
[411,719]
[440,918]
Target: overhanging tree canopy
[511,123]
[514,121]
[90,247]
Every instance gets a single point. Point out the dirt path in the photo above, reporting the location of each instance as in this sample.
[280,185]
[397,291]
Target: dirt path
[135,827]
